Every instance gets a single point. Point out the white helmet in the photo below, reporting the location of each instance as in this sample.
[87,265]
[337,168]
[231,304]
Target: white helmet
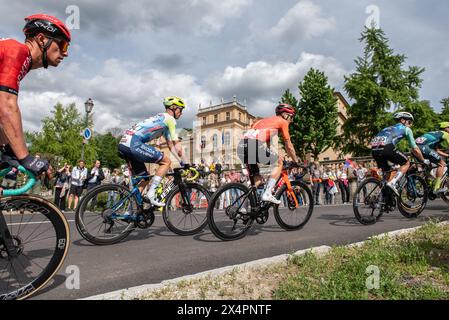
[403,115]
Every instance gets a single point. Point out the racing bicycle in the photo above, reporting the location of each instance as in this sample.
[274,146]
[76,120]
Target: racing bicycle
[234,207]
[34,238]
[108,213]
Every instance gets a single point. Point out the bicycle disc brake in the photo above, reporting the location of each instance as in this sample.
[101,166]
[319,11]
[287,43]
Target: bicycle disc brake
[17,244]
[146,220]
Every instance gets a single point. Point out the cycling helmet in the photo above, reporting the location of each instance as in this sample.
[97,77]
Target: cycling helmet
[52,27]
[48,25]
[444,125]
[174,102]
[403,115]
[284,107]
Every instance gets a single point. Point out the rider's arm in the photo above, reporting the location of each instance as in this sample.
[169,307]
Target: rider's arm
[445,144]
[11,122]
[411,142]
[288,144]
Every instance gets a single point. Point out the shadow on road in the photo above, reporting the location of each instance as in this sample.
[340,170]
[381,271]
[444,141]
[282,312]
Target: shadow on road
[55,282]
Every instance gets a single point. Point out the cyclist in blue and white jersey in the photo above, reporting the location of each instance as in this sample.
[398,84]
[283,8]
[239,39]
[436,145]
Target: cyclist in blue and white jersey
[133,145]
[383,147]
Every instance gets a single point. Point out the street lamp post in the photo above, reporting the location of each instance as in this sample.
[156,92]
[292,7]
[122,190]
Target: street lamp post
[88,105]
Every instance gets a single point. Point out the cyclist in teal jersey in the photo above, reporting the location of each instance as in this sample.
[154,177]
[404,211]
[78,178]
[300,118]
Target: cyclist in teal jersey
[134,148]
[383,147]
[430,144]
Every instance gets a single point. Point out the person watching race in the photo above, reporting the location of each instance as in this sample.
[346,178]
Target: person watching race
[133,145]
[430,144]
[383,147]
[255,147]
[46,44]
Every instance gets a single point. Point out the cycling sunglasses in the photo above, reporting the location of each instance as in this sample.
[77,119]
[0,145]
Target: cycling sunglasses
[63,45]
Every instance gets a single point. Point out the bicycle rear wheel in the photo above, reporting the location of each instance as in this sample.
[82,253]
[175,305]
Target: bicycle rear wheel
[186,218]
[368,201]
[289,215]
[40,237]
[105,214]
[228,214]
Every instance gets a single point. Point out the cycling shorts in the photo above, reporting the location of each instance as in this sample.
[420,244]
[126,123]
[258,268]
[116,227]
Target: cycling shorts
[388,153]
[429,153]
[254,151]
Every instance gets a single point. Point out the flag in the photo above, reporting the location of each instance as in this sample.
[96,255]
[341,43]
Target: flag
[349,163]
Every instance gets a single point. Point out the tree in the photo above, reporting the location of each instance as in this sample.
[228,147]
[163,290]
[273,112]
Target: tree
[60,136]
[379,84]
[444,115]
[107,150]
[315,125]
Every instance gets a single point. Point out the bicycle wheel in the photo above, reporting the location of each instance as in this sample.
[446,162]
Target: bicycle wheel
[368,201]
[413,196]
[40,235]
[186,219]
[289,215]
[228,214]
[105,214]
[445,184]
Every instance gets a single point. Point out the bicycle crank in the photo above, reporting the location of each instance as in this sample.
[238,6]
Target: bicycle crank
[146,220]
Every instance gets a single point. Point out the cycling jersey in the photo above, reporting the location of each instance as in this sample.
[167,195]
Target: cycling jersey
[265,129]
[162,124]
[392,135]
[434,139]
[15,63]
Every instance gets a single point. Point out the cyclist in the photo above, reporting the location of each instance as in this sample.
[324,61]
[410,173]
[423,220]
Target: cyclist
[46,43]
[383,147]
[429,144]
[255,147]
[133,145]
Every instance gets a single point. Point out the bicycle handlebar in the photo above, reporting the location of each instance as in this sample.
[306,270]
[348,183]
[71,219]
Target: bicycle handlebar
[195,172]
[15,192]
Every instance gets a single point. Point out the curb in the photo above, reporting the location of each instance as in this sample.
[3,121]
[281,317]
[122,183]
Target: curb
[133,292]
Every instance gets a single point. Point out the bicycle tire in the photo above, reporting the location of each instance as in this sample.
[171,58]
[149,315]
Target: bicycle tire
[309,198]
[445,184]
[212,212]
[413,212]
[169,222]
[30,205]
[81,224]
[355,203]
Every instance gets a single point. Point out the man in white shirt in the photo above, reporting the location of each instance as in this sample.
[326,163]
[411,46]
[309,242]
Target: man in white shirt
[79,175]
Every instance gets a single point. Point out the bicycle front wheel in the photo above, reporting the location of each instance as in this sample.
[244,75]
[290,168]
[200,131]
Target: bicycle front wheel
[106,214]
[368,201]
[229,212]
[186,217]
[296,207]
[413,196]
[40,237]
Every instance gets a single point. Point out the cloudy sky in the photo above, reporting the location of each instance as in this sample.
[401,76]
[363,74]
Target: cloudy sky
[128,55]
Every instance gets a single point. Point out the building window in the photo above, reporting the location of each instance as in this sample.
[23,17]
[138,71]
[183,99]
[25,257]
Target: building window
[203,142]
[240,116]
[215,118]
[227,138]
[204,121]
[215,141]
[326,159]
[228,116]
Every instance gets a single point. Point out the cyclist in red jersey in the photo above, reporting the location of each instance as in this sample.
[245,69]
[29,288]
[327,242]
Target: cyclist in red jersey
[46,43]
[255,147]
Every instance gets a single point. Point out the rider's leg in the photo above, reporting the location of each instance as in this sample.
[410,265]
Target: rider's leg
[164,166]
[440,172]
[275,174]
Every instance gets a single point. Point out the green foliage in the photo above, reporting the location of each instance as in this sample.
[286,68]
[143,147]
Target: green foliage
[444,115]
[107,150]
[60,136]
[315,125]
[379,84]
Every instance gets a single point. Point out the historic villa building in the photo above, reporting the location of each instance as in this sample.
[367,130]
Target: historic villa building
[218,129]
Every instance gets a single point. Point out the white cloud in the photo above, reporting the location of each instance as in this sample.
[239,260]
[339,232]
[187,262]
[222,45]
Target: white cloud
[261,80]
[304,20]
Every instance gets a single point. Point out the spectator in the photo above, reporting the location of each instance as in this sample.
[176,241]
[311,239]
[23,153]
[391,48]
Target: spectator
[95,176]
[116,178]
[218,169]
[343,183]
[62,186]
[315,181]
[79,175]
[360,173]
[37,187]
[10,179]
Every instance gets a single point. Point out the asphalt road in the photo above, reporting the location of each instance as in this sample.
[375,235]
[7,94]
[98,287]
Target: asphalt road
[156,254]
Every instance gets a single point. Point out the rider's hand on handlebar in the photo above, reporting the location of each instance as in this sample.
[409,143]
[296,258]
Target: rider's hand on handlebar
[426,162]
